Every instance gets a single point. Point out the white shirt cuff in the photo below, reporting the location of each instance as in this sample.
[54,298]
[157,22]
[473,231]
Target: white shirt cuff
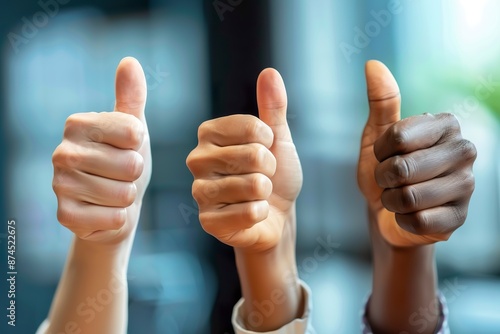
[300,325]
[43,327]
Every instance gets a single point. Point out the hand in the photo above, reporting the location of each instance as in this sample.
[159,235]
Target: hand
[416,173]
[103,165]
[247,172]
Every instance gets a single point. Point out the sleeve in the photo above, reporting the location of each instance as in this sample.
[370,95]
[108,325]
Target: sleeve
[301,325]
[441,328]
[43,327]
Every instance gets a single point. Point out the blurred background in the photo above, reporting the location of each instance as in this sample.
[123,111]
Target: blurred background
[201,59]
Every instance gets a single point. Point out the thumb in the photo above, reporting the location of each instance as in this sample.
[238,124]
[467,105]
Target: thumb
[272,103]
[130,88]
[383,95]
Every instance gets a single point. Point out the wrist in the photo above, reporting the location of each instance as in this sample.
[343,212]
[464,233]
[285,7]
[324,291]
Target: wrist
[388,257]
[89,254]
[276,265]
[269,278]
[404,280]
[276,258]
[271,291]
[386,234]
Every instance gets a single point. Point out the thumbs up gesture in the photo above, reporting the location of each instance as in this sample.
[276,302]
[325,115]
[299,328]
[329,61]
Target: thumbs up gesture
[103,165]
[415,173]
[247,173]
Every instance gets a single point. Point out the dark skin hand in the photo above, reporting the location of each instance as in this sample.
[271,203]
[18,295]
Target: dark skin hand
[416,175]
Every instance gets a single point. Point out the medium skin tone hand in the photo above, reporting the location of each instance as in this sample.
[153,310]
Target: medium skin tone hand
[101,171]
[247,178]
[416,175]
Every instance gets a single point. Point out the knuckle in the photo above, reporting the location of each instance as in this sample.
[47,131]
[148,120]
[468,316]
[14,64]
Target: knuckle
[126,194]
[260,186]
[409,198]
[452,120]
[59,155]
[421,223]
[194,162]
[251,213]
[59,183]
[134,166]
[198,191]
[399,136]
[469,184]
[73,123]
[190,159]
[118,219]
[66,216]
[251,128]
[402,168]
[65,156]
[204,131]
[195,190]
[467,150]
[451,125]
[134,132]
[206,220]
[459,214]
[255,155]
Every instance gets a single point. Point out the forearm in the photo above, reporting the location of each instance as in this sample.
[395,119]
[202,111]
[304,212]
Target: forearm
[92,294]
[404,285]
[270,285]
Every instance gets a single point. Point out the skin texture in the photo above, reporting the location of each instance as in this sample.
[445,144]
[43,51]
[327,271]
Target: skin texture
[247,177]
[101,170]
[416,176]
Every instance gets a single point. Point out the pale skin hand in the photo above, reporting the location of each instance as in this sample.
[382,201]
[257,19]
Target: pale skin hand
[101,171]
[247,178]
[416,175]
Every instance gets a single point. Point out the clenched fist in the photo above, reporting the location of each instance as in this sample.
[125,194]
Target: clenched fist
[103,165]
[247,173]
[415,173]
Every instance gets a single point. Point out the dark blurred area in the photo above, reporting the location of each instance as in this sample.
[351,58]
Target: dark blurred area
[201,60]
